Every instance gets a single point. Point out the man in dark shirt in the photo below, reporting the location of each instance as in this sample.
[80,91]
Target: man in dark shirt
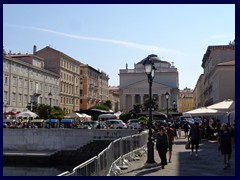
[170,133]
[195,138]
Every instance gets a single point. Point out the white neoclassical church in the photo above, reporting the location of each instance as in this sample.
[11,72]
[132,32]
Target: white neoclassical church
[134,87]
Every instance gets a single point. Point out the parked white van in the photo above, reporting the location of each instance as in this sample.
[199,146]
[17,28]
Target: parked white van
[104,117]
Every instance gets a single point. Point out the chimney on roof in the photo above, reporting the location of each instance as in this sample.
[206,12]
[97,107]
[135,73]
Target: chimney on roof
[34,49]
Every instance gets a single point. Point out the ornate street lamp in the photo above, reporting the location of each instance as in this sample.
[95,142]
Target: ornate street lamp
[167,97]
[174,105]
[50,99]
[150,71]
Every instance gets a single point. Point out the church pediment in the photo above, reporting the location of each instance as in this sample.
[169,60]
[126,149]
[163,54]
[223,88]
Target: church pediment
[143,84]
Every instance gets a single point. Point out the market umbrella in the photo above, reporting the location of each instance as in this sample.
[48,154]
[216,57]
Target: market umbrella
[203,111]
[227,105]
[27,114]
[11,113]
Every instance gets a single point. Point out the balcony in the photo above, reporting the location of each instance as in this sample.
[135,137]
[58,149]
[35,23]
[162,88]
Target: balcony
[37,92]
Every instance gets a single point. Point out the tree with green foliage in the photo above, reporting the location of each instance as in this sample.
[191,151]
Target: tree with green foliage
[108,103]
[137,108]
[143,120]
[43,111]
[100,106]
[146,104]
[126,116]
[57,113]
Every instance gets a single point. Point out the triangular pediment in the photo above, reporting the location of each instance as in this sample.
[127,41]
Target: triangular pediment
[144,84]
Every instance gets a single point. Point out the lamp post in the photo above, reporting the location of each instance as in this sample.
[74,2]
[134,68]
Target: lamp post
[174,105]
[31,106]
[167,97]
[150,71]
[50,100]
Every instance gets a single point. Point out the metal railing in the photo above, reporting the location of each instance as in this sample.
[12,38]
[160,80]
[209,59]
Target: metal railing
[108,162]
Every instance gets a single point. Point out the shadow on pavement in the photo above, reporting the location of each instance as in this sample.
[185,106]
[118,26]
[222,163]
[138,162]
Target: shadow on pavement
[144,170]
[208,163]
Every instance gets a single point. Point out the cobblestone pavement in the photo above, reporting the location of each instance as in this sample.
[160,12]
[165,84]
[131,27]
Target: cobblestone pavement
[208,163]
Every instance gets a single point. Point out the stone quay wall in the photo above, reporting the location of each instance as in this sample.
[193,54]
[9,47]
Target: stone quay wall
[57,139]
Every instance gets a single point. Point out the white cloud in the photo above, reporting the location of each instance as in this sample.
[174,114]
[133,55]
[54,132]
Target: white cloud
[112,41]
[217,37]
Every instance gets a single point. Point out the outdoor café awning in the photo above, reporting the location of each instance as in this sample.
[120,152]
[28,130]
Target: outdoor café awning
[227,105]
[203,111]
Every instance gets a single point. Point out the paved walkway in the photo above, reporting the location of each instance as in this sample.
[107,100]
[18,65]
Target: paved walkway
[208,163]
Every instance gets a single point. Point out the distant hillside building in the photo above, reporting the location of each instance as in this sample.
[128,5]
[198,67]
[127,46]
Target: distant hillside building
[134,87]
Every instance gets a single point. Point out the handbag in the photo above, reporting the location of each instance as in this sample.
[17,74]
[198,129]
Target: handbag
[187,145]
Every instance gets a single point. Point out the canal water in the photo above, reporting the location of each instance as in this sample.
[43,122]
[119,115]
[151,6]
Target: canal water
[31,171]
[34,171]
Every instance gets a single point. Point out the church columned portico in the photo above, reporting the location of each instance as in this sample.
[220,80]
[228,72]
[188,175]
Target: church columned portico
[131,99]
[135,89]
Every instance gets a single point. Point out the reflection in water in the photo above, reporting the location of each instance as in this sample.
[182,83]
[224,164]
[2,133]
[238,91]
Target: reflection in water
[31,171]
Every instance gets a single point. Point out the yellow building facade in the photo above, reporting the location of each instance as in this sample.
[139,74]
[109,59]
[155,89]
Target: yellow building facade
[185,100]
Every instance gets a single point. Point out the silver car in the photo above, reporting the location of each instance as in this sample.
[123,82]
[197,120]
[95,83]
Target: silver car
[134,124]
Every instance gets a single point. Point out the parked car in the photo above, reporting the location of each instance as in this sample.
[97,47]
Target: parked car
[161,122]
[115,124]
[104,117]
[134,124]
[88,124]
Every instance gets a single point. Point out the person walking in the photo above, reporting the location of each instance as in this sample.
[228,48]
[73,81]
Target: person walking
[225,143]
[194,137]
[186,129]
[162,145]
[170,133]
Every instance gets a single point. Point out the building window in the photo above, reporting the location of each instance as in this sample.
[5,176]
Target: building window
[20,83]
[6,79]
[14,81]
[25,98]
[14,97]
[20,98]
[6,64]
[5,95]
[31,85]
[26,84]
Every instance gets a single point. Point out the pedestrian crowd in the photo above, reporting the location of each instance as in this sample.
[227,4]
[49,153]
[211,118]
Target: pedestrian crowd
[212,129]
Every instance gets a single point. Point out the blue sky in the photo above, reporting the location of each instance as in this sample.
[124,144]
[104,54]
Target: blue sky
[108,36]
